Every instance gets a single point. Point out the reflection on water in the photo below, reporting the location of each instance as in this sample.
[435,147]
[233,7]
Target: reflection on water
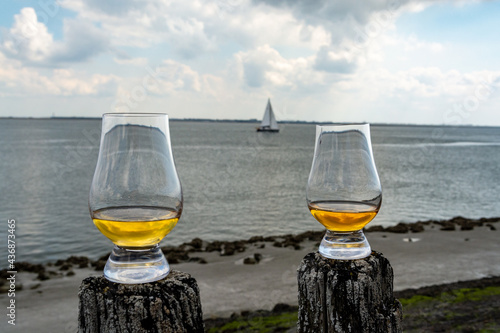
[237,183]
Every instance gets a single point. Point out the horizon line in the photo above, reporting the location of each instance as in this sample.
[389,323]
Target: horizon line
[254,120]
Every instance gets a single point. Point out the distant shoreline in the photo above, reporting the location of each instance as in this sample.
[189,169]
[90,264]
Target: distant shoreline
[256,121]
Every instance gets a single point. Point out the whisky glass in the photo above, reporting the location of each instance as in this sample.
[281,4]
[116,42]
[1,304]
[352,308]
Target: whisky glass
[135,198]
[343,190]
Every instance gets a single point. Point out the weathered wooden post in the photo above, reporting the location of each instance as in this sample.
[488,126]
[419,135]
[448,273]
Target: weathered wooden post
[169,305]
[347,295]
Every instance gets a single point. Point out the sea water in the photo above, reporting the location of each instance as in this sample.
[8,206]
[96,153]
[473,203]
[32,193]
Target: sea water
[237,182]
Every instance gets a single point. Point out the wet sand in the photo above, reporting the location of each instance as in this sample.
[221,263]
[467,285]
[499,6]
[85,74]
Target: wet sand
[227,285]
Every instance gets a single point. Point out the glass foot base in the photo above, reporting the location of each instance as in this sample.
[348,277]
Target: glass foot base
[352,245]
[136,266]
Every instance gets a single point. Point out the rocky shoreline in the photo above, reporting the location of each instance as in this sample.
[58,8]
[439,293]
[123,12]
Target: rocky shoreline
[456,223]
[244,276]
[187,252]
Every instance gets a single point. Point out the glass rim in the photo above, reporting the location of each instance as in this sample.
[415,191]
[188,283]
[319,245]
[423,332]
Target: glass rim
[342,124]
[133,114]
[343,127]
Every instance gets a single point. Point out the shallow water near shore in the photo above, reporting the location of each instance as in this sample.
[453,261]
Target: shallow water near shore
[237,183]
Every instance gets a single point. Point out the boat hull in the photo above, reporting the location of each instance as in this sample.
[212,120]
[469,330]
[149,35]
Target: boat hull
[267,130]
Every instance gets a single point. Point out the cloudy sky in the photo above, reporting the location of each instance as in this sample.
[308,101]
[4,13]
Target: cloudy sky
[402,61]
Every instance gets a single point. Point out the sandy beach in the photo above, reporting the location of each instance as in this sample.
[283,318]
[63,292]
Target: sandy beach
[227,285]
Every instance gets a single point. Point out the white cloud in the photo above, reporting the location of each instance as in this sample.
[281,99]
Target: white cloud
[142,62]
[188,36]
[421,82]
[170,79]
[413,44]
[342,19]
[265,67]
[314,57]
[30,41]
[21,81]
[123,58]
[337,32]
[334,62]
[82,41]
[176,76]
[192,28]
[417,95]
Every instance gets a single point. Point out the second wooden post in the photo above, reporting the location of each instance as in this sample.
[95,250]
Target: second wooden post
[347,295]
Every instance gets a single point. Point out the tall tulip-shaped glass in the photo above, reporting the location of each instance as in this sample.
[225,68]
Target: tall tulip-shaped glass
[136,197]
[343,190]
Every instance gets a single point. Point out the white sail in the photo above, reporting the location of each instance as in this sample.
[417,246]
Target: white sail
[269,120]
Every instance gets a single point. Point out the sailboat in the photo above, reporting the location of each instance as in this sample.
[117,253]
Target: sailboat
[269,123]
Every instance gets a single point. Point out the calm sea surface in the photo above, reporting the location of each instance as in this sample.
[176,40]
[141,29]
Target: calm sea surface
[237,183]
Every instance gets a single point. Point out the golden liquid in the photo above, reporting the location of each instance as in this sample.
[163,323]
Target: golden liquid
[135,226]
[343,216]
